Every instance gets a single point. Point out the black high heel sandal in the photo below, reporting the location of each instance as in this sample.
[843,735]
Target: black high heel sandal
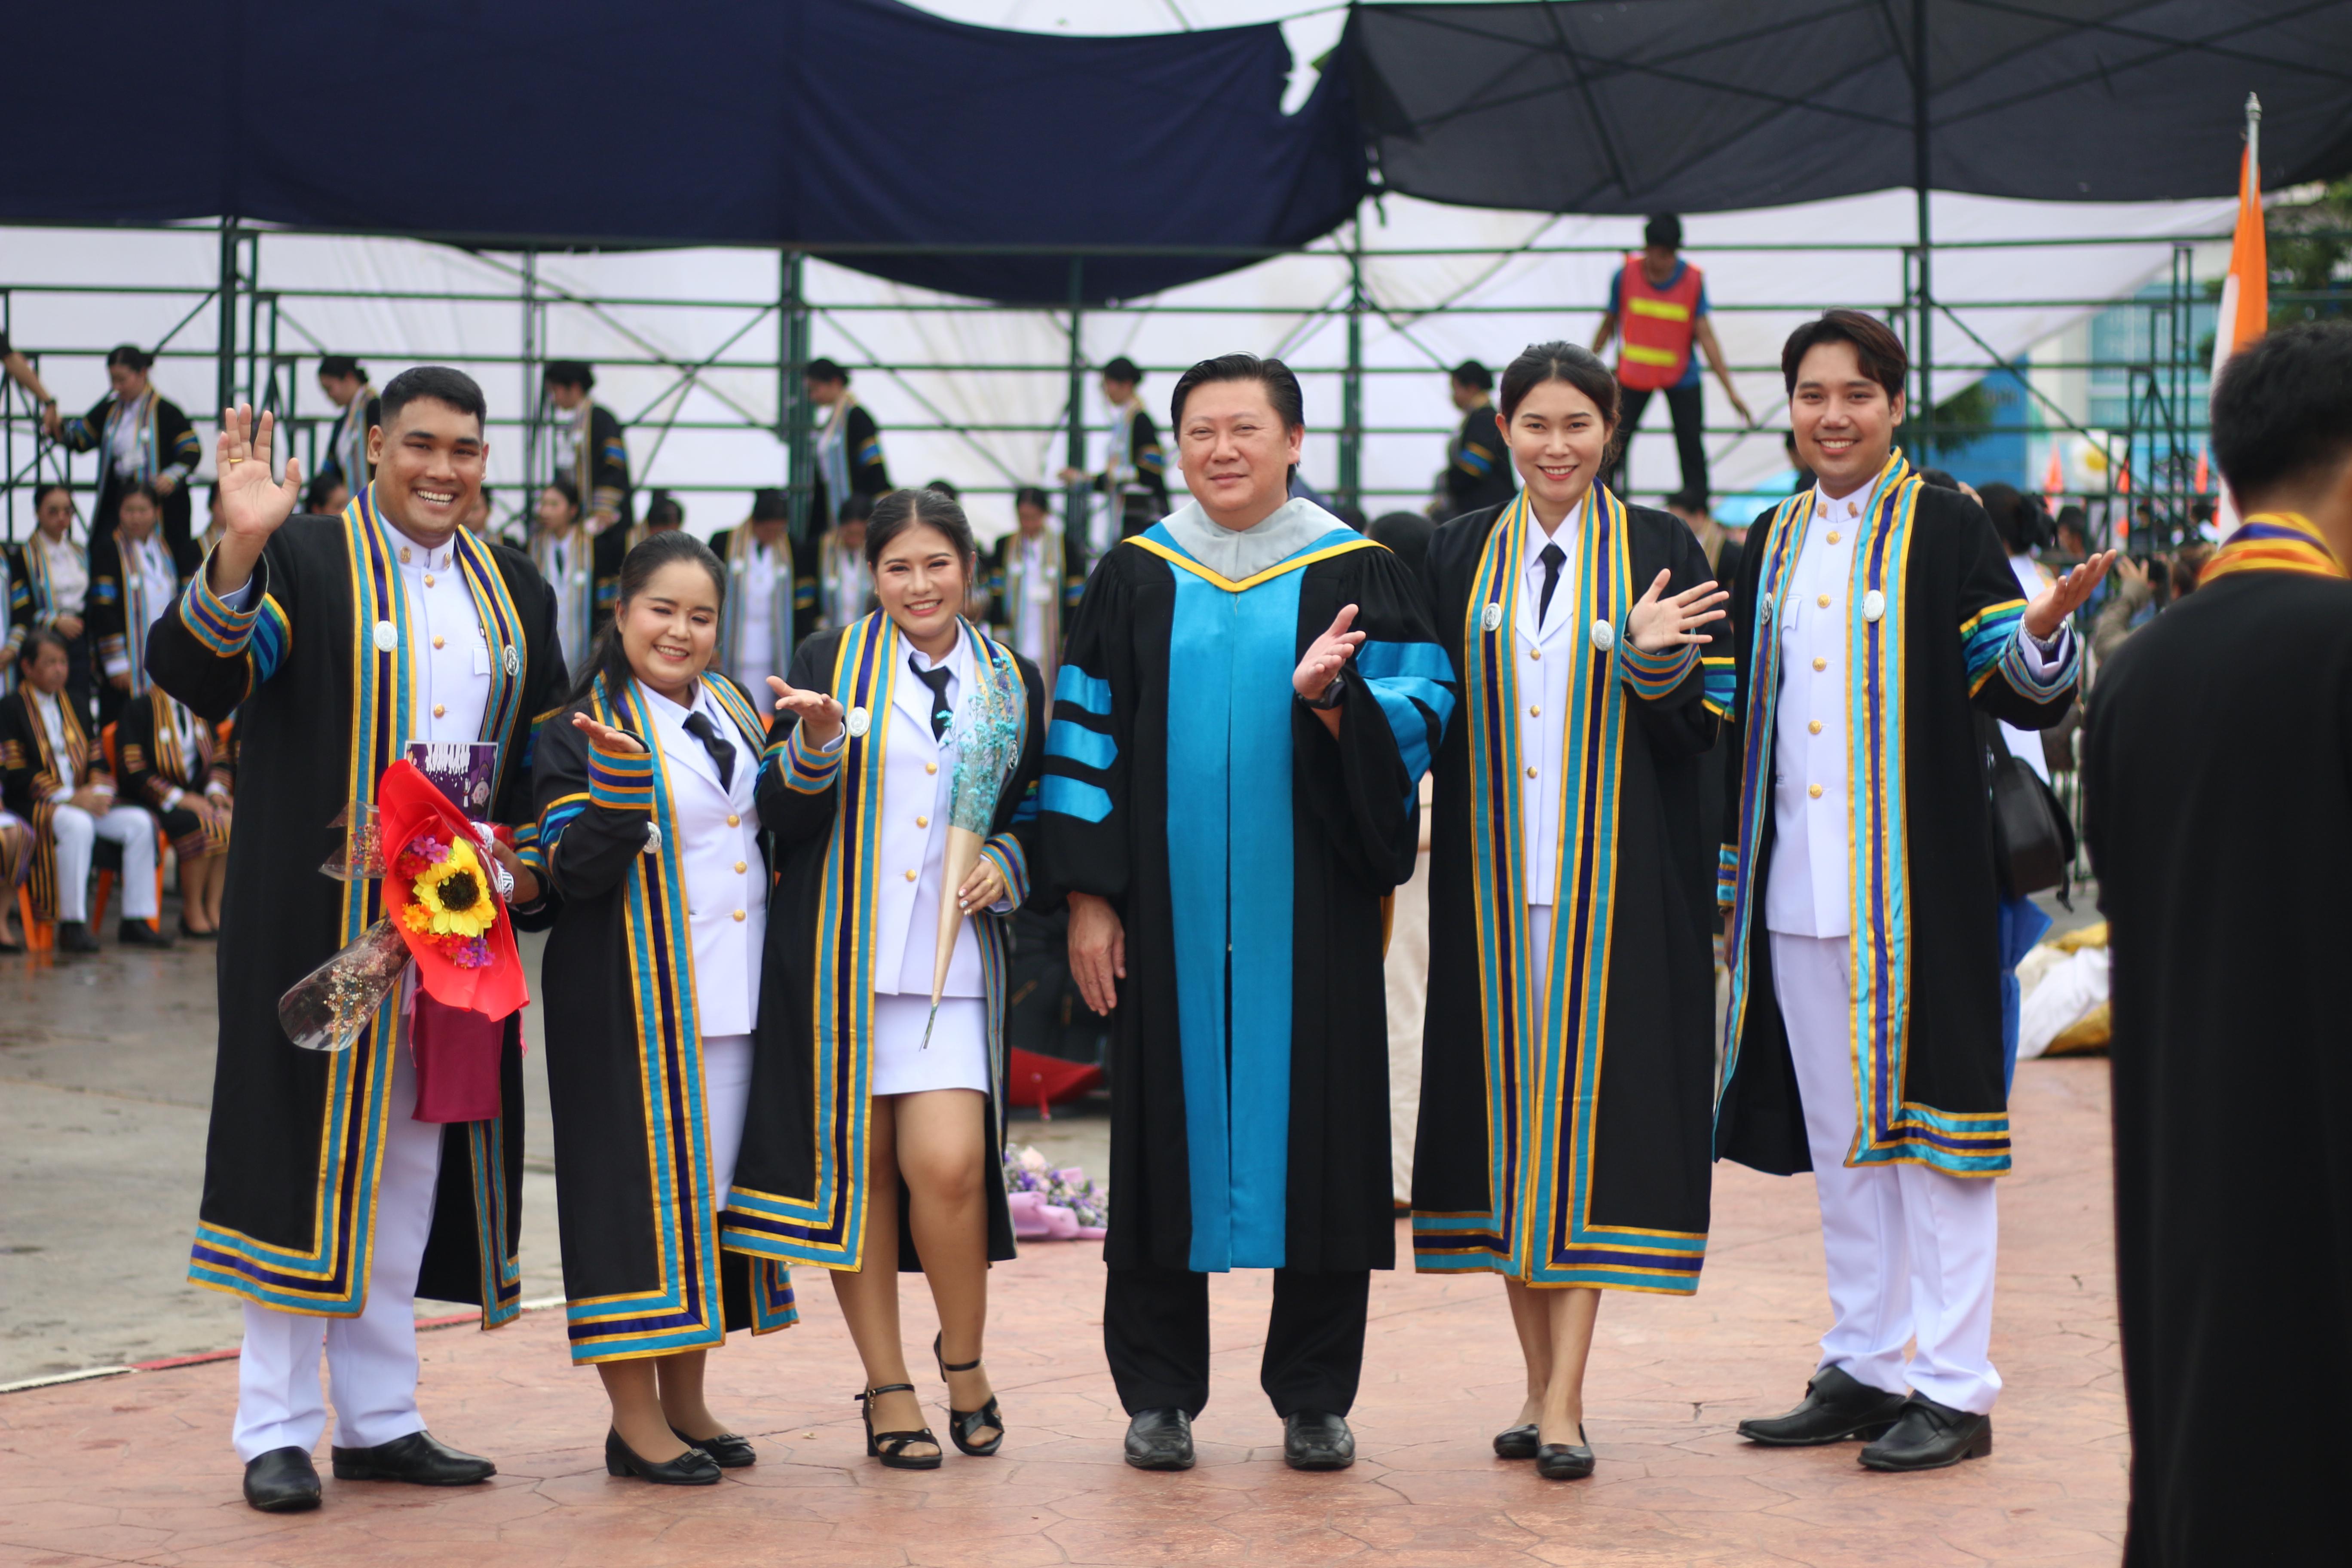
[961,1424]
[890,1447]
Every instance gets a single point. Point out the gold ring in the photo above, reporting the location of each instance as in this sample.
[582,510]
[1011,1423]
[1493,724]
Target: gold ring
[233,462]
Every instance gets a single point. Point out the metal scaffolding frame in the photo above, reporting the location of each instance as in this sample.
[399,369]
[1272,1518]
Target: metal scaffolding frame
[257,359]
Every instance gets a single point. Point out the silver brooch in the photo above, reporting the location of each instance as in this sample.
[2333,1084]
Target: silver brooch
[386,637]
[1491,617]
[1873,605]
[1604,636]
[512,661]
[860,720]
[653,839]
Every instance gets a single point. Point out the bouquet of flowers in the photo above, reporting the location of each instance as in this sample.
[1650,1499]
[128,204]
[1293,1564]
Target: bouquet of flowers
[451,906]
[1047,1204]
[988,735]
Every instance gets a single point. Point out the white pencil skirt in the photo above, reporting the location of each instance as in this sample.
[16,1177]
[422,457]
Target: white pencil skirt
[956,1057]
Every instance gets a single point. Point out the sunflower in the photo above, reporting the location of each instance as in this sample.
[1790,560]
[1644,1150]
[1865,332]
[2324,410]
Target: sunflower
[452,898]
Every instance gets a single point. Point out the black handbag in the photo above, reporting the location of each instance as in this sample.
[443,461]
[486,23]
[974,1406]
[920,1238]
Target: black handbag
[2032,837]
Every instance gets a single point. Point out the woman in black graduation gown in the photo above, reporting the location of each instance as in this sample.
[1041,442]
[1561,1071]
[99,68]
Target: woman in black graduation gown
[49,590]
[651,973]
[142,437]
[874,1143]
[1567,1076]
[172,766]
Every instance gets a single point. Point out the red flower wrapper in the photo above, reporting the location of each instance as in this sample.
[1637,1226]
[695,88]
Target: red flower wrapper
[457,1056]
[455,925]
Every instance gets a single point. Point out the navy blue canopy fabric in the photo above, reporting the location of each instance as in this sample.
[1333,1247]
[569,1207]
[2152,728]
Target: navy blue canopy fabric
[826,123]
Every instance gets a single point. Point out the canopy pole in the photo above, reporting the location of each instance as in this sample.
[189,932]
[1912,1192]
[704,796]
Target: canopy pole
[1925,414]
[224,381]
[1074,508]
[794,427]
[1351,386]
[534,390]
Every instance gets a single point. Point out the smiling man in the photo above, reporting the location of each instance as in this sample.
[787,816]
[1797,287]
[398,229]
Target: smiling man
[328,1206]
[1249,698]
[1872,616]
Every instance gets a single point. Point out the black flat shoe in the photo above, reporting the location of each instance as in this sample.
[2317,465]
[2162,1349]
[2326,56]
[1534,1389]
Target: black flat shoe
[1516,1442]
[962,1424]
[1160,1440]
[138,934]
[192,934]
[1565,1461]
[692,1468]
[890,1447]
[283,1481]
[1930,1437]
[1835,1409]
[420,1458]
[1317,1440]
[726,1450]
[73,936]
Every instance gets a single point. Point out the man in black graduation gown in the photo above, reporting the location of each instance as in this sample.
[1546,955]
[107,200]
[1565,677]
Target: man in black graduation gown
[590,449]
[328,1206]
[1241,720]
[1478,468]
[2217,781]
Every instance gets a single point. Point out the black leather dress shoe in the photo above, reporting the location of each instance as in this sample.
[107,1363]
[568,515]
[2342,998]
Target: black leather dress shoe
[1565,1461]
[1317,1440]
[1517,1442]
[730,1452]
[73,936]
[1160,1440]
[694,1468]
[283,1481]
[420,1458]
[1836,1409]
[1930,1437]
[138,934]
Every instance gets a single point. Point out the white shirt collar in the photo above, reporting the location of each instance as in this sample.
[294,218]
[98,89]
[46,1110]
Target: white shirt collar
[1567,537]
[424,557]
[1843,509]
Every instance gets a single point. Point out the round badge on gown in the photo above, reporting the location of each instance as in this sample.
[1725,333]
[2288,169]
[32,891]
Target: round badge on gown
[386,637]
[513,660]
[1604,636]
[653,839]
[860,720]
[1873,605]
[1491,618]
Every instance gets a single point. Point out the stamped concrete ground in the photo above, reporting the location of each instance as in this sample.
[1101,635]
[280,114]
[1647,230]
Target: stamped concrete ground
[137,1468]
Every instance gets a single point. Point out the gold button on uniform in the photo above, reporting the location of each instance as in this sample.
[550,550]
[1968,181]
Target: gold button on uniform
[436,642]
[1535,653]
[1531,772]
[1820,664]
[1814,728]
[733,820]
[428,579]
[1824,601]
[1833,536]
[930,767]
[910,876]
[1814,790]
[404,555]
[922,822]
[438,711]
[1534,713]
[739,915]
[740,866]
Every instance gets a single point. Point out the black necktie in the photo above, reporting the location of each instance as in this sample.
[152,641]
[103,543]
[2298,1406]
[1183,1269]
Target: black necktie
[1553,558]
[699,725]
[937,680]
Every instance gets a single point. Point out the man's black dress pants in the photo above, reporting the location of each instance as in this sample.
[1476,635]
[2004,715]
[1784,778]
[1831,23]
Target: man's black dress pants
[1156,1334]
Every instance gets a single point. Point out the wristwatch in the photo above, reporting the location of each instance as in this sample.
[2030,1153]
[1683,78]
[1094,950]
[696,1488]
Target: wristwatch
[1333,695]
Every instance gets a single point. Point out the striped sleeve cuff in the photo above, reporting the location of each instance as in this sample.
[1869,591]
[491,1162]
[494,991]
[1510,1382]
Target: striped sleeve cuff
[623,780]
[2034,674]
[1652,675]
[209,619]
[807,770]
[1722,680]
[1012,862]
[527,849]
[1727,875]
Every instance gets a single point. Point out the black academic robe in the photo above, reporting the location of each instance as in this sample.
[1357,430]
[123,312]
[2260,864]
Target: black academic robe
[154,764]
[118,621]
[800,1192]
[1477,465]
[167,447]
[322,709]
[1186,783]
[1945,642]
[33,603]
[2216,785]
[29,775]
[600,469]
[1567,1097]
[1068,584]
[792,610]
[1142,501]
[642,1268]
[869,474]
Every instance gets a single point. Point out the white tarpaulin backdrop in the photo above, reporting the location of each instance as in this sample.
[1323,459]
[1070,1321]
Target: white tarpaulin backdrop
[1432,310]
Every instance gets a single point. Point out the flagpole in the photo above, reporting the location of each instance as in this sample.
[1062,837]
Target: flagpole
[2255,133]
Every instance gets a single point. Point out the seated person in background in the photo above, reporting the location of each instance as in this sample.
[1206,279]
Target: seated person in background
[51,776]
[16,861]
[171,767]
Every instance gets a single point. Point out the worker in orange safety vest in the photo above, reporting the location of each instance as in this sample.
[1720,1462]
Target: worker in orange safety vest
[1657,304]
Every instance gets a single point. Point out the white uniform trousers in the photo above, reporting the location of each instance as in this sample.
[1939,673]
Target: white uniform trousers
[77,833]
[1910,1250]
[726,1096]
[372,1358]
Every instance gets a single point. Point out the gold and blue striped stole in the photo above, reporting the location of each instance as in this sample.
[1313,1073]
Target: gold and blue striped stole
[1544,1015]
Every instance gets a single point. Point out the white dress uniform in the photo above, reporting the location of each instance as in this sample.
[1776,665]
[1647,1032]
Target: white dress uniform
[918,772]
[149,588]
[716,822]
[755,573]
[76,833]
[1549,648]
[372,1358]
[1909,1249]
